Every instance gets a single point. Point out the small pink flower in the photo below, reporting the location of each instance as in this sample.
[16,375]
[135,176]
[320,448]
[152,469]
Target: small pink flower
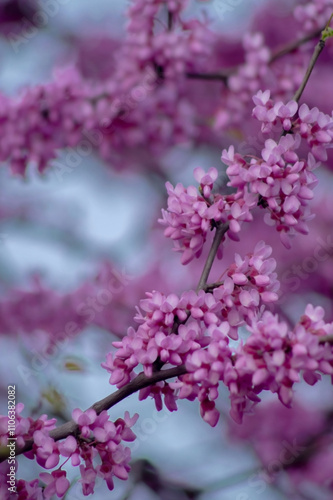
[57,483]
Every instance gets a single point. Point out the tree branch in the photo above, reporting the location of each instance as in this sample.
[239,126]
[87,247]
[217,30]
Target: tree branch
[220,232]
[140,382]
[316,53]
[291,46]
[326,338]
[218,76]
[282,51]
[170,20]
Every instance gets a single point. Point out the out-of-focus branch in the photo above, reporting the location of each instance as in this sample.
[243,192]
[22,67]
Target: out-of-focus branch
[288,48]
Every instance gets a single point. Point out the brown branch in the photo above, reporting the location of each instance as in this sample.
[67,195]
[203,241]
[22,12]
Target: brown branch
[316,53]
[292,46]
[223,75]
[221,229]
[326,338]
[218,76]
[170,20]
[211,286]
[140,382]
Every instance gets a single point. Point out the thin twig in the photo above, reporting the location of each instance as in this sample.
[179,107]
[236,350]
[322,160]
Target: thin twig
[211,286]
[170,20]
[219,76]
[326,339]
[220,232]
[223,75]
[316,53]
[291,46]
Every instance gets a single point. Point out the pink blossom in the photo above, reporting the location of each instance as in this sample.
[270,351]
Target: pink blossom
[57,483]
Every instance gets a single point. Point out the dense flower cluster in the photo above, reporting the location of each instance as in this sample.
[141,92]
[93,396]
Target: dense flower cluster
[97,437]
[163,335]
[283,180]
[313,15]
[272,358]
[279,181]
[311,124]
[74,112]
[25,427]
[194,330]
[173,50]
[54,116]
[152,72]
[193,213]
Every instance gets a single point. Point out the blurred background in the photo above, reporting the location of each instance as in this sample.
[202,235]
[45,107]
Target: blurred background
[90,216]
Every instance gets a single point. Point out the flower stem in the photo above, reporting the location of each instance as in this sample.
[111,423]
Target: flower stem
[316,53]
[220,232]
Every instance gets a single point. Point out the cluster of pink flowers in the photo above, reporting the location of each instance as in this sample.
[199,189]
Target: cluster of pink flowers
[34,312]
[97,437]
[270,113]
[313,15]
[312,125]
[282,180]
[247,80]
[24,427]
[173,328]
[272,358]
[54,116]
[74,112]
[317,128]
[279,181]
[193,213]
[194,330]
[172,50]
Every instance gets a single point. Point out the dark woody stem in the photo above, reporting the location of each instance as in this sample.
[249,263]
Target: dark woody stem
[221,229]
[140,382]
[170,20]
[326,339]
[316,53]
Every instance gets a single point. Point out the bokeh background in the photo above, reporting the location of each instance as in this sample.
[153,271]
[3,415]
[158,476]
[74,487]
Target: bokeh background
[62,234]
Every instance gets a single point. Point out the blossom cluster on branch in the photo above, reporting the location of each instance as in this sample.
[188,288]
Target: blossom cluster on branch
[96,437]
